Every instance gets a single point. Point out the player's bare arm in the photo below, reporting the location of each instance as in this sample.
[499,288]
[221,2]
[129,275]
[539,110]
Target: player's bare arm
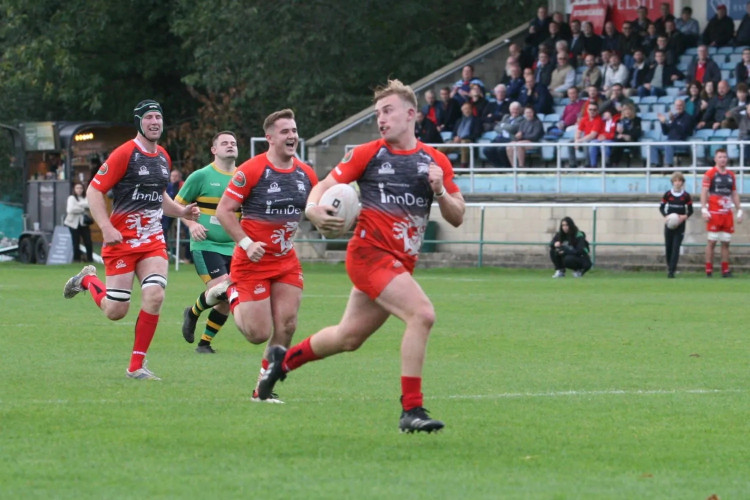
[737,206]
[226,213]
[704,203]
[452,206]
[98,208]
[320,215]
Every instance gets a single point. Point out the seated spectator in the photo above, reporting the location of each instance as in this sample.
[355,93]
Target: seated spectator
[741,116]
[478,102]
[460,90]
[562,46]
[543,69]
[642,22]
[592,43]
[694,103]
[648,41]
[536,95]
[614,72]
[496,110]
[572,110]
[559,18]
[742,70]
[743,30]
[628,130]
[425,130]
[563,76]
[703,69]
[638,72]
[718,107]
[451,110]
[665,17]
[678,127]
[616,100]
[593,96]
[589,128]
[660,76]
[514,50]
[467,130]
[576,41]
[612,39]
[433,109]
[689,27]
[675,40]
[506,131]
[515,82]
[530,129]
[631,41]
[554,37]
[607,135]
[720,29]
[739,102]
[569,250]
[662,43]
[592,75]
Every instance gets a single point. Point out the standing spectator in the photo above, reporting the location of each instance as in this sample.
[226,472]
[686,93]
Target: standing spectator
[496,110]
[703,69]
[576,41]
[559,18]
[506,129]
[743,30]
[592,75]
[689,27]
[461,89]
[538,31]
[631,41]
[675,201]
[536,95]
[543,69]
[742,70]
[677,127]
[451,110]
[615,72]
[530,129]
[628,130]
[638,72]
[665,17]
[467,130]
[137,172]
[569,250]
[76,218]
[660,76]
[433,109]
[718,107]
[675,40]
[718,196]
[554,36]
[720,29]
[589,128]
[592,43]
[648,41]
[563,77]
[642,22]
[425,130]
[612,39]
[694,103]
[379,260]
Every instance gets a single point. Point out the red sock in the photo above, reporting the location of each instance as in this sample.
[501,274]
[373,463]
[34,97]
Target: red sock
[709,267]
[145,327]
[264,364]
[233,297]
[724,267]
[95,287]
[298,355]
[411,389]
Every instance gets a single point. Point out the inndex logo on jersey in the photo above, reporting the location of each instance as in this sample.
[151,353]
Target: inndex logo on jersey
[152,196]
[408,199]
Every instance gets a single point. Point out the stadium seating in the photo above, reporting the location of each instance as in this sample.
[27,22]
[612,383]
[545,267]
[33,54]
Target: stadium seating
[692,51]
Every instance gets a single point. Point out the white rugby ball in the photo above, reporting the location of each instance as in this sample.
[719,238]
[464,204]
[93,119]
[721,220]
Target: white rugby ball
[345,202]
[672,221]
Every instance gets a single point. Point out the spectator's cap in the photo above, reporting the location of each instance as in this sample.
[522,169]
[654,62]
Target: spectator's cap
[141,109]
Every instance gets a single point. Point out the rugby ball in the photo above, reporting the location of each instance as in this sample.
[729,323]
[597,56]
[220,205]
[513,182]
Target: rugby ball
[345,202]
[672,221]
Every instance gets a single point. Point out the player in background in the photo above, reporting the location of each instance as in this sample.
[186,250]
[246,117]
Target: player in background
[137,172]
[210,244]
[718,194]
[675,201]
[399,178]
[271,190]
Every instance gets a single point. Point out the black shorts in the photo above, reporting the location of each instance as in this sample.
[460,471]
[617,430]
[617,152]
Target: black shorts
[211,265]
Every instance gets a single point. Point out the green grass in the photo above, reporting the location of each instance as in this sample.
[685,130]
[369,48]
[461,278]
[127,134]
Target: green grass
[615,386]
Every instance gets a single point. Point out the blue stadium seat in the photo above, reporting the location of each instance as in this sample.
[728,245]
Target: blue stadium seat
[703,134]
[647,125]
[727,66]
[659,108]
[564,101]
[649,99]
[732,81]
[636,99]
[489,135]
[648,116]
[551,118]
[725,74]
[692,51]
[540,116]
[712,51]
[735,134]
[447,135]
[725,50]
[680,84]
[734,59]
[738,50]
[672,93]
[666,99]
[685,60]
[722,133]
[559,109]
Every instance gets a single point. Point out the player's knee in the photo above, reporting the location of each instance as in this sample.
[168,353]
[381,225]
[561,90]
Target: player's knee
[424,315]
[116,312]
[255,336]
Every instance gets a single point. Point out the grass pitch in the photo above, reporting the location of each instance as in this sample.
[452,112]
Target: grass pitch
[617,385]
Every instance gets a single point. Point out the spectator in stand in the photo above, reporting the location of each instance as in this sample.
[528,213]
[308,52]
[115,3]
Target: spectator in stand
[515,83]
[478,102]
[612,39]
[467,130]
[665,17]
[538,28]
[703,69]
[563,76]
[461,89]
[678,127]
[433,109]
[742,70]
[592,43]
[576,41]
[648,41]
[589,128]
[559,18]
[607,135]
[510,61]
[695,106]
[720,29]
[506,131]
[628,130]
[708,93]
[689,27]
[718,107]
[536,95]
[592,75]
[554,37]
[570,114]
[642,22]
[562,46]
[425,130]
[675,40]
[451,110]
[638,72]
[631,41]
[543,69]
[660,76]
[662,43]
[615,72]
[616,101]
[593,96]
[514,50]
[743,30]
[530,129]
[498,109]
[741,115]
[739,102]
